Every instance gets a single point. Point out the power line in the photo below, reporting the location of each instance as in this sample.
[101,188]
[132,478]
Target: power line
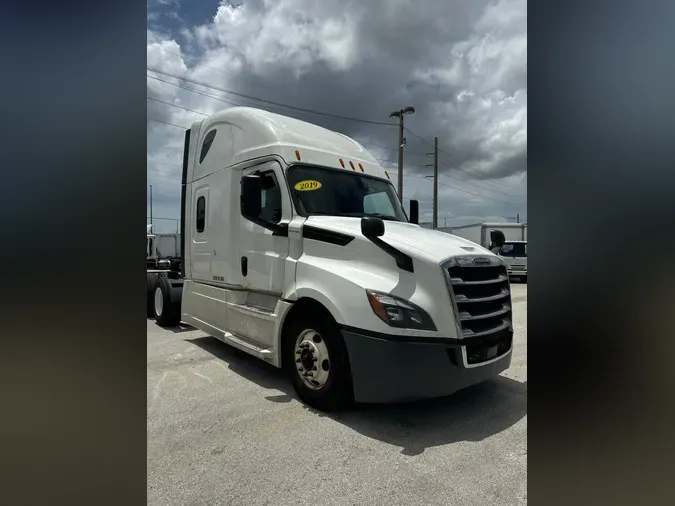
[310,111]
[220,99]
[461,181]
[379,159]
[176,105]
[250,97]
[484,188]
[390,148]
[235,104]
[456,161]
[167,123]
[198,92]
[231,74]
[390,161]
[465,191]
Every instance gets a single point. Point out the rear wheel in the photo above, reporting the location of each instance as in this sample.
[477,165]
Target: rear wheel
[166,309]
[152,284]
[315,357]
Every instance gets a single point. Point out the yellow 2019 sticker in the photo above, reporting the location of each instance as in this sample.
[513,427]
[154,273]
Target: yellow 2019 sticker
[308,185]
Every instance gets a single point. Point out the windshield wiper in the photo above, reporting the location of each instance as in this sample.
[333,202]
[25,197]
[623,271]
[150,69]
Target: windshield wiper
[383,216]
[356,215]
[331,214]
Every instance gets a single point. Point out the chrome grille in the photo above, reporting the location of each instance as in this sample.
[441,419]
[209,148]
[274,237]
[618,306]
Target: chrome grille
[481,297]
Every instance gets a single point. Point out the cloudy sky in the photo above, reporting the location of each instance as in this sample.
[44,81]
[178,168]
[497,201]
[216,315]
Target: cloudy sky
[461,64]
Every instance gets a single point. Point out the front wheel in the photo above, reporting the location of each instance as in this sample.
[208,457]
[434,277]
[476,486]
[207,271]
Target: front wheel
[315,358]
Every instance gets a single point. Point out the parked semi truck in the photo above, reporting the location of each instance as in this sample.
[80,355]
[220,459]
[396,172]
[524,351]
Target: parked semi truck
[162,255]
[162,249]
[513,250]
[298,251]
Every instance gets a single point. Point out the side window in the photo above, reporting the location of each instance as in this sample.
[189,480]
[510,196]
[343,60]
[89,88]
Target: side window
[507,250]
[206,146]
[201,214]
[270,198]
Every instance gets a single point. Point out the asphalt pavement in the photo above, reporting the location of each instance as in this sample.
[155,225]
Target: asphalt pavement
[226,428]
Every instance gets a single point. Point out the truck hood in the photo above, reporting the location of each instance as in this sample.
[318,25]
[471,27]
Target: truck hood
[411,239]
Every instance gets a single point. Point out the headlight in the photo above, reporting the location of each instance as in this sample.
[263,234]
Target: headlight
[399,313]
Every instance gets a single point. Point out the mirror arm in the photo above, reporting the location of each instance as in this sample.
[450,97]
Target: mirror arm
[402,260]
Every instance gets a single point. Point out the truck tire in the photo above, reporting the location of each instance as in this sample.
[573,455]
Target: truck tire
[166,308]
[152,284]
[315,357]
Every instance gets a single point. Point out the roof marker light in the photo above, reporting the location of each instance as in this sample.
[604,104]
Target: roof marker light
[297,154]
[361,167]
[342,163]
[351,164]
[387,173]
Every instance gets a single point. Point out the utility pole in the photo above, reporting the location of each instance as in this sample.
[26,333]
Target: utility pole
[518,218]
[150,204]
[435,166]
[399,114]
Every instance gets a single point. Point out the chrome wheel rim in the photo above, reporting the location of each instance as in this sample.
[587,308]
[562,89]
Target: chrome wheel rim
[312,360]
[159,302]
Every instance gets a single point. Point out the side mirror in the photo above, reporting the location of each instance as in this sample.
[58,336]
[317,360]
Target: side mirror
[251,203]
[372,227]
[497,239]
[414,211]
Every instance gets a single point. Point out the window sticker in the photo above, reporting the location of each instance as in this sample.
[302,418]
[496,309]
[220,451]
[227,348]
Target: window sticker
[308,185]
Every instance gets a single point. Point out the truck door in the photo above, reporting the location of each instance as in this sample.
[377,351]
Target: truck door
[201,248]
[263,254]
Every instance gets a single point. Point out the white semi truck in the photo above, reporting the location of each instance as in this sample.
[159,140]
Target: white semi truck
[513,250]
[297,251]
[161,249]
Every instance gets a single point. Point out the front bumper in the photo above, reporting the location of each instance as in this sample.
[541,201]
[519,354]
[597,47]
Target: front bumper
[394,369]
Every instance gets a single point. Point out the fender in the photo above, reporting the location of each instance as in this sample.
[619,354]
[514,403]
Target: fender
[341,291]
[310,292]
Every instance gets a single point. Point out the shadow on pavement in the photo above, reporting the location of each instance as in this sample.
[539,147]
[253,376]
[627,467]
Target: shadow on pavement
[473,414]
[182,327]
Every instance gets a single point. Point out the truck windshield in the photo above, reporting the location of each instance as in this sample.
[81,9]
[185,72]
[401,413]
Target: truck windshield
[517,249]
[323,191]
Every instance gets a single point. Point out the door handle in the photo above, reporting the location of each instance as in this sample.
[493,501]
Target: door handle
[244,266]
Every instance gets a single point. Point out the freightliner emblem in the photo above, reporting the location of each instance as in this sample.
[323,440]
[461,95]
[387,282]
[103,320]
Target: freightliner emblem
[482,260]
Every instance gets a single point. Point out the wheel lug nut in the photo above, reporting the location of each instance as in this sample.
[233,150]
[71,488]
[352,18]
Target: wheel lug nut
[314,368]
[297,360]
